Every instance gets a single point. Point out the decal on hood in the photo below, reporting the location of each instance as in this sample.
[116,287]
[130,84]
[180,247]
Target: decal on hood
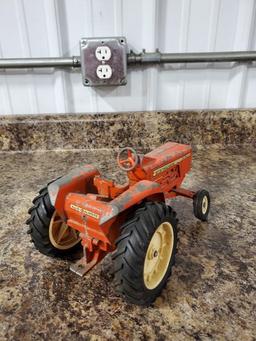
[168,165]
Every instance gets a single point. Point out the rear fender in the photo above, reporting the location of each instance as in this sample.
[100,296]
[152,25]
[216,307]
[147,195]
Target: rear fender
[76,181]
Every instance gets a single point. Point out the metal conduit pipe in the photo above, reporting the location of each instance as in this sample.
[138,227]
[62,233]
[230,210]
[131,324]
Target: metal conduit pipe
[27,63]
[199,57]
[133,58]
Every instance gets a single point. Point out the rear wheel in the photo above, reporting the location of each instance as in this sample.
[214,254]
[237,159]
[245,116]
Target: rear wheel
[145,253]
[49,233]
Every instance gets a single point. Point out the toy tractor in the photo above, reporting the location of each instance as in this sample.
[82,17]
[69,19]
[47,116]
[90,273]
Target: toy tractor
[131,221]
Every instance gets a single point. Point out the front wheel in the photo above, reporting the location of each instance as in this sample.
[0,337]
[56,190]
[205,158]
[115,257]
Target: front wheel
[49,233]
[145,253]
[201,204]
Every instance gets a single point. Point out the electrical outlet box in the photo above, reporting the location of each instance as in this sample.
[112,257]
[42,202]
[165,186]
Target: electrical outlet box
[103,61]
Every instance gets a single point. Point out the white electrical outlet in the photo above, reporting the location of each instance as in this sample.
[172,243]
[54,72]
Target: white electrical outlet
[104,71]
[103,53]
[103,61]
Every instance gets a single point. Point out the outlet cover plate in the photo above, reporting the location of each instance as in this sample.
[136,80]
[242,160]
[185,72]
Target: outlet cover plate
[117,62]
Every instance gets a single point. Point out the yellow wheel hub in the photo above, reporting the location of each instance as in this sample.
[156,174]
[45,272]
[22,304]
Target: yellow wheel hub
[205,204]
[158,255]
[61,235]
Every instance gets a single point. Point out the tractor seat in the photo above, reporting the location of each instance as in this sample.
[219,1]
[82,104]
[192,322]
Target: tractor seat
[108,188]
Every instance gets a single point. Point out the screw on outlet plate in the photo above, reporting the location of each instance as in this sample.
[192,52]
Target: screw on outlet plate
[123,81]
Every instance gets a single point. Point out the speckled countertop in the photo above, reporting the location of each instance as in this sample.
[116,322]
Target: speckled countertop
[211,294]
[140,129]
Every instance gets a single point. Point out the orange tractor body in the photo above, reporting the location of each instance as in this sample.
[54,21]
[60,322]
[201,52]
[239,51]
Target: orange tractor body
[96,207]
[132,221]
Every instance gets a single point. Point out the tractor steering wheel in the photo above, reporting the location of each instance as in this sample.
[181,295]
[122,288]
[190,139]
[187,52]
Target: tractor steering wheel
[130,162]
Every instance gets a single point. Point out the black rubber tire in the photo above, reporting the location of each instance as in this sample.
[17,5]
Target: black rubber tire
[198,204]
[131,249]
[39,221]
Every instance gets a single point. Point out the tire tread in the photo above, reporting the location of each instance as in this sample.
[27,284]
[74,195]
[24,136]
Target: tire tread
[131,248]
[38,226]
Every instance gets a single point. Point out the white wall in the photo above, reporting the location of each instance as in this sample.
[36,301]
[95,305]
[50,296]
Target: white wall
[35,28]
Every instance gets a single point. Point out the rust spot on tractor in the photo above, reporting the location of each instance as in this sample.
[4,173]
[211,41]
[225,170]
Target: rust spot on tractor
[135,194]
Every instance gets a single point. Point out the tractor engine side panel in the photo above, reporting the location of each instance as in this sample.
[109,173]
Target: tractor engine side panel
[168,164]
[171,174]
[185,165]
